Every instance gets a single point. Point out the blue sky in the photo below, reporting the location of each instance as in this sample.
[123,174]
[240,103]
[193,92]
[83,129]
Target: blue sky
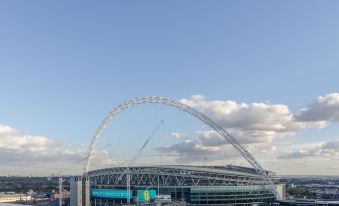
[64,65]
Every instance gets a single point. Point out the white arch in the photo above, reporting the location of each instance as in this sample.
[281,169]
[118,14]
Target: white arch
[173,103]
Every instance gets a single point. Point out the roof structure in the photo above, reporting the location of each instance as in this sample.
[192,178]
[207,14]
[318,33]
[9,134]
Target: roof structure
[177,175]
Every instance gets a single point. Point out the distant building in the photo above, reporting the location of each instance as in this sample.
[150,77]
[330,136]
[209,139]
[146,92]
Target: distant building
[14,197]
[330,194]
[281,189]
[30,192]
[11,204]
[308,202]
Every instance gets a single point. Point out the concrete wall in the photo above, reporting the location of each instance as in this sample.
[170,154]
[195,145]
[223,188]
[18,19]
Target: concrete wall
[80,191]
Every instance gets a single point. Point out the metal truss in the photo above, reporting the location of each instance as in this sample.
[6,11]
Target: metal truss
[173,103]
[173,176]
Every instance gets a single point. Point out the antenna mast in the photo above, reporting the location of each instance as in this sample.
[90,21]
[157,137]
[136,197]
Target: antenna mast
[60,190]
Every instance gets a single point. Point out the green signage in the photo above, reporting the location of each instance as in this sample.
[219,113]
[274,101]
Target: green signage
[113,194]
[146,195]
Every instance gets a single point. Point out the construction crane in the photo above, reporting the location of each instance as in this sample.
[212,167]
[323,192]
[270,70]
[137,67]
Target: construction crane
[127,170]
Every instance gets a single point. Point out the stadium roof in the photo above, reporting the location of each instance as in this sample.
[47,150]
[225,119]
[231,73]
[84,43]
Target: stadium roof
[227,169]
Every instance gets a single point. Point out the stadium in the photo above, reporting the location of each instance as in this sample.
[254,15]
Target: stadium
[174,184]
[194,185]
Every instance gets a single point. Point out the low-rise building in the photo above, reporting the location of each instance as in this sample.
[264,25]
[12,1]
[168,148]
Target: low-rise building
[14,197]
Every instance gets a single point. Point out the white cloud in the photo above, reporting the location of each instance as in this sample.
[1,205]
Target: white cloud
[324,149]
[211,138]
[256,125]
[262,149]
[261,122]
[324,109]
[211,144]
[103,159]
[255,122]
[178,135]
[19,148]
[191,150]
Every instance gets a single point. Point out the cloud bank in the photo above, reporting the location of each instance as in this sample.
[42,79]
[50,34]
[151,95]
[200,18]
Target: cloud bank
[256,125]
[324,149]
[325,109]
[261,122]
[19,148]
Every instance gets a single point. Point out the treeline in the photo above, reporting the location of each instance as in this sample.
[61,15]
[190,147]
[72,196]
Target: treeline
[24,184]
[302,192]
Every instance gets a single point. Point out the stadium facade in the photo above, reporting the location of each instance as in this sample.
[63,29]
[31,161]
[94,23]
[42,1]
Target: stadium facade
[194,185]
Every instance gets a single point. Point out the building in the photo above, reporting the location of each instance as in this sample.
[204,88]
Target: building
[195,185]
[14,197]
[11,204]
[308,202]
[281,189]
[80,189]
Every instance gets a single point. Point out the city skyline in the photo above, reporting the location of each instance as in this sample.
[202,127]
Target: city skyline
[268,72]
